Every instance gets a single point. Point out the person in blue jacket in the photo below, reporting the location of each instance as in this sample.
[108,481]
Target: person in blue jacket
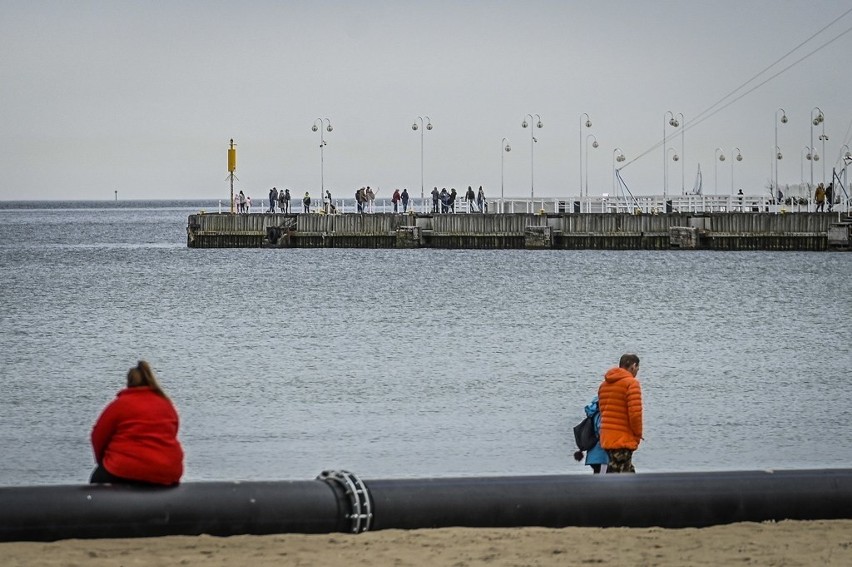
[596,457]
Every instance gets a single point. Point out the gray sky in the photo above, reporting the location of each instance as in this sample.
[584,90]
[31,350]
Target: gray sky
[142,97]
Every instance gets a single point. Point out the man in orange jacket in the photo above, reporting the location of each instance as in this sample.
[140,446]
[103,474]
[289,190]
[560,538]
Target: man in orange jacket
[620,401]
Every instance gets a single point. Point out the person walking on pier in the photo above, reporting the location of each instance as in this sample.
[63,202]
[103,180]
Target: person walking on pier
[620,401]
[306,203]
[829,196]
[395,200]
[273,199]
[481,203]
[135,438]
[819,197]
[435,199]
[404,198]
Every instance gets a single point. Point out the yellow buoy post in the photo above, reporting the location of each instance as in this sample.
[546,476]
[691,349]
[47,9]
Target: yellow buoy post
[232,166]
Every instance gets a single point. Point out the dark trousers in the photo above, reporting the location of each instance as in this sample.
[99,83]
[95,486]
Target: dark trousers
[102,476]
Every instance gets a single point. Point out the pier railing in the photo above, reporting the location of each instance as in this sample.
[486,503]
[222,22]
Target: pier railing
[594,204]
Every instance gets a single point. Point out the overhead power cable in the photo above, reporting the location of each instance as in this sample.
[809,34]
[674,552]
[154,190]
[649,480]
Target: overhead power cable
[713,110]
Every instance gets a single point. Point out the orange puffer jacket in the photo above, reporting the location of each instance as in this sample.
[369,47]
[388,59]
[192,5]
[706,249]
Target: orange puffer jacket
[620,400]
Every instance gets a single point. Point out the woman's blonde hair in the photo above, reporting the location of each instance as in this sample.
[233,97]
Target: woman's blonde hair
[142,375]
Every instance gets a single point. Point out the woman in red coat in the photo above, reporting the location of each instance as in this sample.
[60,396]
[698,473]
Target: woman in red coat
[135,438]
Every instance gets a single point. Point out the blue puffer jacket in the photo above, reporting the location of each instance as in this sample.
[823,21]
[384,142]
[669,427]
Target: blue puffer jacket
[596,455]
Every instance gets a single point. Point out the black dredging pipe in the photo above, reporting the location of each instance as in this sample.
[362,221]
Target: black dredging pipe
[337,501]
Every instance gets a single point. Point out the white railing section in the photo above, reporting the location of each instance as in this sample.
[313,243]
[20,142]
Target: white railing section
[655,204]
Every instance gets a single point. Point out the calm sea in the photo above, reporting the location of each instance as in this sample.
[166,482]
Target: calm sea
[410,363]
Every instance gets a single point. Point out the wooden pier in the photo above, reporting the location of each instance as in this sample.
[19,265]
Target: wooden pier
[566,231]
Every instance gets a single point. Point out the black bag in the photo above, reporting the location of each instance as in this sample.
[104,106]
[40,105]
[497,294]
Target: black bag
[585,434]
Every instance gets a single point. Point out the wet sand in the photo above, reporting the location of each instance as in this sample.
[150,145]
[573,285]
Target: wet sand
[786,543]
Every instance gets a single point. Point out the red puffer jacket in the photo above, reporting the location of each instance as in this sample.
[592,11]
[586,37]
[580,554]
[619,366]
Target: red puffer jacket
[136,437]
[620,401]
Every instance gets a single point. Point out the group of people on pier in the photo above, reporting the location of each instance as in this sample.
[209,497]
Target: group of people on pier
[443,201]
[823,194]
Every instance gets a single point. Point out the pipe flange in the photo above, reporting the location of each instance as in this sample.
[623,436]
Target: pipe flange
[360,509]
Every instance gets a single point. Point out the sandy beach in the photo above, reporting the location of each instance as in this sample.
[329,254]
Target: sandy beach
[786,543]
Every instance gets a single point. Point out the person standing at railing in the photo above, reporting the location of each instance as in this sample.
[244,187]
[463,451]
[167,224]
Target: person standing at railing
[395,200]
[282,203]
[453,197]
[819,197]
[470,197]
[829,196]
[404,197]
[371,198]
[286,200]
[481,203]
[445,200]
[435,199]
[306,203]
[273,199]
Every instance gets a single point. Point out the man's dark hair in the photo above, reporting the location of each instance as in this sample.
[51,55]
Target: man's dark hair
[627,360]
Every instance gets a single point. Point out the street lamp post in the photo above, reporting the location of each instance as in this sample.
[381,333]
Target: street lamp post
[504,148]
[617,156]
[588,124]
[718,156]
[736,155]
[535,122]
[815,121]
[823,137]
[777,153]
[675,157]
[682,123]
[668,118]
[318,127]
[594,145]
[415,127]
[802,158]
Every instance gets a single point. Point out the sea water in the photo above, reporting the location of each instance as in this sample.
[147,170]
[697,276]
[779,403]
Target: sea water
[410,363]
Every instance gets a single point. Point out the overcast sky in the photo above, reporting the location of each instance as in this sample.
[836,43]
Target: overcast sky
[142,97]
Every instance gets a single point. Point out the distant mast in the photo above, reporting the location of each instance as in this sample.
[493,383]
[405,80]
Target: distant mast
[232,166]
